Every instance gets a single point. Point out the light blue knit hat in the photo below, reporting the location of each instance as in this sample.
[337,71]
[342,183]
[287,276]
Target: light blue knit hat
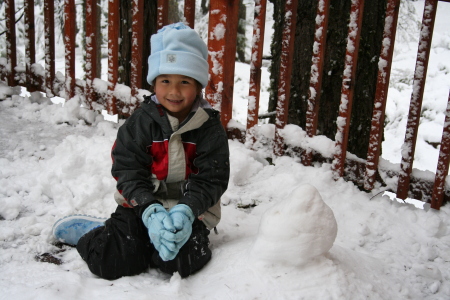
[178,49]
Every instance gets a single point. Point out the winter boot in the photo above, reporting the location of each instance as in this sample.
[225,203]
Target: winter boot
[70,229]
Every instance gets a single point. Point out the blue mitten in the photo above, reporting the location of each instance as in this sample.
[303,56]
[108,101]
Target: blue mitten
[182,217]
[161,231]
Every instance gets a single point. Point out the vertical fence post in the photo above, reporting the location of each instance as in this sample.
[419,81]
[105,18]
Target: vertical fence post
[348,87]
[49,28]
[189,12]
[384,73]
[222,32]
[113,53]
[259,22]
[442,166]
[137,37]
[69,43]
[420,74]
[162,14]
[284,85]
[315,84]
[91,50]
[229,60]
[30,48]
[216,49]
[11,50]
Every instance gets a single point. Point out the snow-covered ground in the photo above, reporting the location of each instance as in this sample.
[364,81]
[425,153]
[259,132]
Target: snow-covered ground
[53,164]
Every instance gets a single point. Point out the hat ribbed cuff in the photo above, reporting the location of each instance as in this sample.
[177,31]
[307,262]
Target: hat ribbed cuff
[178,62]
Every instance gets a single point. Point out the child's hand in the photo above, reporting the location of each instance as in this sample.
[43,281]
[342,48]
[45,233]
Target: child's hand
[182,217]
[161,231]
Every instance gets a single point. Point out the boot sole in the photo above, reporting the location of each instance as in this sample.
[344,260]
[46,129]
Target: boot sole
[76,216]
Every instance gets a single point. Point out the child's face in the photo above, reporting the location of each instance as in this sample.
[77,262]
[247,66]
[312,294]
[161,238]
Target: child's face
[176,93]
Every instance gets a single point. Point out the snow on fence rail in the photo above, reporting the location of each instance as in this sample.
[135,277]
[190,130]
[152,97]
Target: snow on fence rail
[223,19]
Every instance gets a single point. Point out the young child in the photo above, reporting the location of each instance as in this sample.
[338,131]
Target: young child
[171,163]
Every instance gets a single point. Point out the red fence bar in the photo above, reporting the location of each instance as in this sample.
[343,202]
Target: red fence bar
[284,84]
[91,50]
[232,22]
[30,48]
[379,107]
[259,22]
[11,51]
[420,74]
[162,17]
[216,48]
[137,36]
[348,87]
[69,43]
[315,84]
[113,54]
[49,32]
[189,12]
[442,166]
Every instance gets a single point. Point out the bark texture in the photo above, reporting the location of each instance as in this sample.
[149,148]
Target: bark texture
[367,68]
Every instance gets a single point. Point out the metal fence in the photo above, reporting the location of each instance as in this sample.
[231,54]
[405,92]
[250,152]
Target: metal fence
[223,15]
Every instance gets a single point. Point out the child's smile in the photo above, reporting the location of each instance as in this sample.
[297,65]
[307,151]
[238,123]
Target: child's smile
[174,101]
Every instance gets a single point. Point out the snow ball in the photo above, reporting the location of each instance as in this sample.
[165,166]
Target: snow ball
[70,112]
[88,115]
[434,287]
[364,230]
[435,226]
[74,113]
[5,91]
[429,253]
[243,169]
[225,200]
[39,98]
[430,273]
[7,234]
[295,230]
[10,207]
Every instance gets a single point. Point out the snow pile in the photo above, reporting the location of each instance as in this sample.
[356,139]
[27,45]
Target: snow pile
[6,91]
[383,249]
[73,113]
[296,230]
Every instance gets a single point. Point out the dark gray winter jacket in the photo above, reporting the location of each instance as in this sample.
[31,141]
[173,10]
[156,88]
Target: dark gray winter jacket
[155,159]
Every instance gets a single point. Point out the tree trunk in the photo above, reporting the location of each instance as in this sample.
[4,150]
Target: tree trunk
[150,13]
[204,7]
[125,44]
[241,39]
[98,42]
[367,68]
[174,15]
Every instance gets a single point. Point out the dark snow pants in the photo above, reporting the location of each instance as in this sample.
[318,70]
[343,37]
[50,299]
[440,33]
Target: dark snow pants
[122,248]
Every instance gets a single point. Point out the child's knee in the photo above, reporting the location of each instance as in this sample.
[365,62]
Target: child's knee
[109,256]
